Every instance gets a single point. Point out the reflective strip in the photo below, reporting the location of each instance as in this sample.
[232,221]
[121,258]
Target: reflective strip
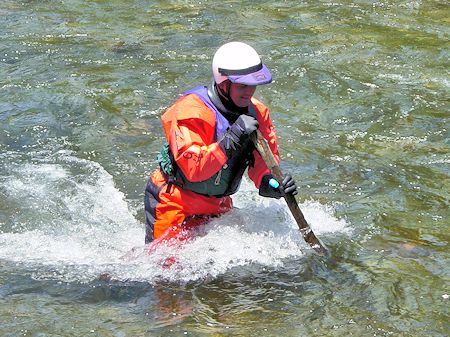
[246,71]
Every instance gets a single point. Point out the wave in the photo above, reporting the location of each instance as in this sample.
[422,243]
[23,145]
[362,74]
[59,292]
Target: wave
[72,224]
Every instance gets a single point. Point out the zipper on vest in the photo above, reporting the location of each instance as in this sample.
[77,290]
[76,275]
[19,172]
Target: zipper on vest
[219,175]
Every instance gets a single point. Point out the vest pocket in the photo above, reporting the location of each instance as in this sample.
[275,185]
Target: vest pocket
[219,175]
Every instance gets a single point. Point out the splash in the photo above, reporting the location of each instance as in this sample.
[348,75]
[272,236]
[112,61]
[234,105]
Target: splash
[80,226]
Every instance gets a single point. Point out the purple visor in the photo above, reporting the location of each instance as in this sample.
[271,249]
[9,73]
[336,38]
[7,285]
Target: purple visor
[255,75]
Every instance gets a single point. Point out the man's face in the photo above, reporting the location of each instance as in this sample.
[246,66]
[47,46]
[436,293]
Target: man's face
[241,94]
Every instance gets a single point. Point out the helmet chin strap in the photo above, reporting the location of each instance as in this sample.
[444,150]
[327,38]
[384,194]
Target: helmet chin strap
[219,101]
[223,90]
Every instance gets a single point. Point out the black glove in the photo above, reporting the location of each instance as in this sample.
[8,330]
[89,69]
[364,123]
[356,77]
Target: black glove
[287,186]
[238,134]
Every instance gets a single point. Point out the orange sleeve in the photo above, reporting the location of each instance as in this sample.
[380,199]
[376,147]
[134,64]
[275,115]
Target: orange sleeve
[190,131]
[259,170]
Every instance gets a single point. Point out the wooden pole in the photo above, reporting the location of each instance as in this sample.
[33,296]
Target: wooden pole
[268,157]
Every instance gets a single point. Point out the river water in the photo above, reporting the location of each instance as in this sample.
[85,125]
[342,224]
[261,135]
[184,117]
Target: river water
[360,102]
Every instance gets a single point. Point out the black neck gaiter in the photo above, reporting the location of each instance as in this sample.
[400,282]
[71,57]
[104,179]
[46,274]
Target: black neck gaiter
[224,103]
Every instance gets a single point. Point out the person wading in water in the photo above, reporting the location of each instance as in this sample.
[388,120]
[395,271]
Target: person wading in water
[209,146]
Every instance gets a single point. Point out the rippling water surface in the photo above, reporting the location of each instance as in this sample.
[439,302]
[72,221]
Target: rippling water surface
[360,102]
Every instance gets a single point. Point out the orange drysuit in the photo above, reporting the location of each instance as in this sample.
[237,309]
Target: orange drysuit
[191,129]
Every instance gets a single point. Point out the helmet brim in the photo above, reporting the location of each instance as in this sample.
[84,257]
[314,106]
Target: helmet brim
[259,77]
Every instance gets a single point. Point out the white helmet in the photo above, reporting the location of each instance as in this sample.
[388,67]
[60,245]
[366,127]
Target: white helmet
[239,63]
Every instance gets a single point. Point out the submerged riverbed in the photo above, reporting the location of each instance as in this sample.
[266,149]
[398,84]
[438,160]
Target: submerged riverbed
[360,102]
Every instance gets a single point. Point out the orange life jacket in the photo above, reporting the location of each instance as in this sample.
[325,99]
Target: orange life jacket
[197,163]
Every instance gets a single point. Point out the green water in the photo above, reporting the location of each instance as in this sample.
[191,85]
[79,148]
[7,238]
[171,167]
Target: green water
[360,102]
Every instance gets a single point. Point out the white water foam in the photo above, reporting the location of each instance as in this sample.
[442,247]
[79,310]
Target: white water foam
[87,229]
